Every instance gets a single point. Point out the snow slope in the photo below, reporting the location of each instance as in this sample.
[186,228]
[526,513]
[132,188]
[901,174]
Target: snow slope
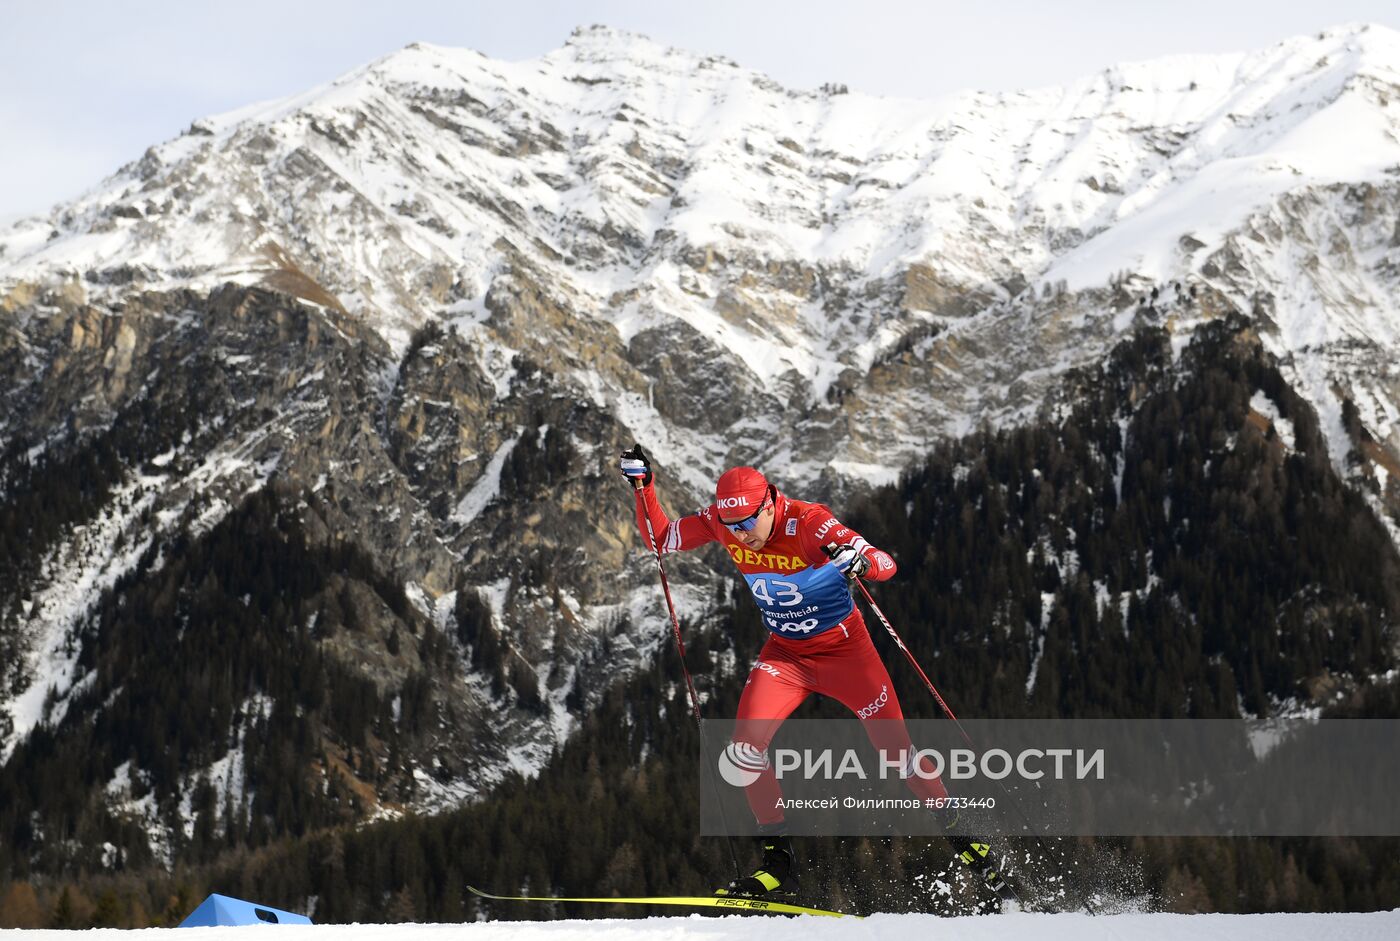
[798,235]
[735,272]
[1370,926]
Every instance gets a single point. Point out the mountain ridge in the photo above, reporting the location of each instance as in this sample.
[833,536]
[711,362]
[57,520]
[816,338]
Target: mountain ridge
[501,272]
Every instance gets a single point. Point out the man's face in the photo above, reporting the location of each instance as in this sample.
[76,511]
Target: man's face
[757,537]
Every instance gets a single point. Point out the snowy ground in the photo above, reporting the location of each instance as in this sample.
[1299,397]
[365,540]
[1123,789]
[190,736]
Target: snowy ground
[1350,925]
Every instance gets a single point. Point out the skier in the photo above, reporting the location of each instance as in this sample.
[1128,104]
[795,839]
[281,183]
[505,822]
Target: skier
[797,559]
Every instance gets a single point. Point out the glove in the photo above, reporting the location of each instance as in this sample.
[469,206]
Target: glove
[635,465]
[848,561]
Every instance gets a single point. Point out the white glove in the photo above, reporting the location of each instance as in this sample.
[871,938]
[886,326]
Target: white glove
[849,562]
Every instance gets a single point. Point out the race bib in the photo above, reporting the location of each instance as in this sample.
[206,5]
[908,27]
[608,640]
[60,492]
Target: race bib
[801,604]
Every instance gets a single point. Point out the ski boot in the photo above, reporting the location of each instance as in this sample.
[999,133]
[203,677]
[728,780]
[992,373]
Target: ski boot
[776,875]
[978,858]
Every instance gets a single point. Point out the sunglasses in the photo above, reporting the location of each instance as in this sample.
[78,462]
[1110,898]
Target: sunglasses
[749,522]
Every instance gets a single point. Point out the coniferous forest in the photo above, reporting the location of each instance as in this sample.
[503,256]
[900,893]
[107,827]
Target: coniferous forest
[1157,548]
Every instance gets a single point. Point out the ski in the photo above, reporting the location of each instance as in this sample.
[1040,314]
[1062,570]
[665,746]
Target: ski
[728,902]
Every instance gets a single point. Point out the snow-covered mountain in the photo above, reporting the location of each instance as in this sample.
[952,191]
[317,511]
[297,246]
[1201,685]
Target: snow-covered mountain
[794,240]
[403,290]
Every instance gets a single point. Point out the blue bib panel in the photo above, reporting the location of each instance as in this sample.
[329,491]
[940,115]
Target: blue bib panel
[801,604]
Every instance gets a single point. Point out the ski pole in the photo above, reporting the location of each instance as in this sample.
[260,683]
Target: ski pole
[637,486]
[942,703]
[666,590]
[898,642]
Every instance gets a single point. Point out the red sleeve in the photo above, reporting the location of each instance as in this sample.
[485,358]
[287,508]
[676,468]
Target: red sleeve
[818,527]
[688,532]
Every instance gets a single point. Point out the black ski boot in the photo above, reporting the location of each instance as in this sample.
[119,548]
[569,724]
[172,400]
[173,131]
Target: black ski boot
[776,875]
[978,858]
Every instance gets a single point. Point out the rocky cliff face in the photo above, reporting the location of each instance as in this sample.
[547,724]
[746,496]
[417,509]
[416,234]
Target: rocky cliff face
[430,301]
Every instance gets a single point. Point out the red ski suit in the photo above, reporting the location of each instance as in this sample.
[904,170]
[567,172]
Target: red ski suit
[818,643]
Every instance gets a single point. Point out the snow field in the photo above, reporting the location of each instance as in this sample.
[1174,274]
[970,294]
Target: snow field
[1354,926]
